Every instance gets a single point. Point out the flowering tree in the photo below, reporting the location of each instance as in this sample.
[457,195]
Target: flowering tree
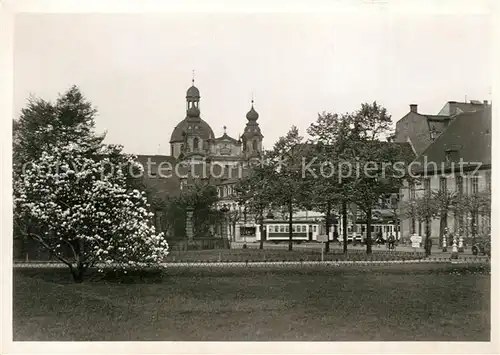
[75,195]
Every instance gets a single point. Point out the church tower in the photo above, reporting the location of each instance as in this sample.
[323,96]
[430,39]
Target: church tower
[252,136]
[192,137]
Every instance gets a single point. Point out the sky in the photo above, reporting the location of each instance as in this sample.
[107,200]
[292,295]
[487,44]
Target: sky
[136,68]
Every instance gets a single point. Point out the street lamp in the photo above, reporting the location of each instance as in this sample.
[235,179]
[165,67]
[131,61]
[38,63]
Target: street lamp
[224,209]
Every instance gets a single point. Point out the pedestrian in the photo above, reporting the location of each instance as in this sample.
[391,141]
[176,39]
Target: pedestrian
[392,240]
[428,246]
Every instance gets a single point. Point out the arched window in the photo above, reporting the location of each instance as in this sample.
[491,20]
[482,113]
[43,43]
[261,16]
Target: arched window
[196,143]
[254,145]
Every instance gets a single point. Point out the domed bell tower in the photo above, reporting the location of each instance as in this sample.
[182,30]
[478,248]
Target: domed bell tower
[252,136]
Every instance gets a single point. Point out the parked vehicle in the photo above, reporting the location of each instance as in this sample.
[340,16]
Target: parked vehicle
[482,246]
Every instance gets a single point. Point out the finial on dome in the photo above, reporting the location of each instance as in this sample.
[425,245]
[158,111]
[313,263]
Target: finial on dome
[192,80]
[224,129]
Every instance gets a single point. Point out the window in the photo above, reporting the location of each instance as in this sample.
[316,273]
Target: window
[488,180]
[413,226]
[442,184]
[293,229]
[314,228]
[254,145]
[412,190]
[475,184]
[196,143]
[304,229]
[282,229]
[460,184]
[286,229]
[427,187]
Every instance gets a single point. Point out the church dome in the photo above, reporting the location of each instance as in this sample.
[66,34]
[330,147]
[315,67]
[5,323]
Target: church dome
[193,92]
[200,128]
[252,114]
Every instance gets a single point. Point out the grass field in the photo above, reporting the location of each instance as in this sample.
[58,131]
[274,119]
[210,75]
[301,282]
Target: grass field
[398,302]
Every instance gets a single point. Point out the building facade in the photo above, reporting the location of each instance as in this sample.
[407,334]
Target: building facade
[457,163]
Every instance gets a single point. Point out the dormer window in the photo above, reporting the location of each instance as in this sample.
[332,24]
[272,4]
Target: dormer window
[451,153]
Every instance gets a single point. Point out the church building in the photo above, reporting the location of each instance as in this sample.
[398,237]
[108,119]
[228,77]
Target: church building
[193,143]
[193,139]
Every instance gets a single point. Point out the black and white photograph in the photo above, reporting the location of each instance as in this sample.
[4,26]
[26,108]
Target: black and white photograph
[252,176]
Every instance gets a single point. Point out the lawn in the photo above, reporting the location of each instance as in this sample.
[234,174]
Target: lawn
[390,302]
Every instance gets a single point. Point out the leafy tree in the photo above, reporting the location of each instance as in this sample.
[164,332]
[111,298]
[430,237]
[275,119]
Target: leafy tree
[74,195]
[201,198]
[256,191]
[471,207]
[445,200]
[289,186]
[377,174]
[330,137]
[424,208]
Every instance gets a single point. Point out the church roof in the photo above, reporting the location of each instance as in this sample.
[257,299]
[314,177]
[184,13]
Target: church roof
[252,114]
[199,128]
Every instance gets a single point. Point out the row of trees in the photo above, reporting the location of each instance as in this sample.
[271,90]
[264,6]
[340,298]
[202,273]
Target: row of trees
[319,173]
[465,208]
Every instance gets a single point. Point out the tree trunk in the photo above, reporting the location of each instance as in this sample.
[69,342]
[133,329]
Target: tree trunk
[443,218]
[369,230]
[261,245]
[327,225]
[77,271]
[428,235]
[290,224]
[344,226]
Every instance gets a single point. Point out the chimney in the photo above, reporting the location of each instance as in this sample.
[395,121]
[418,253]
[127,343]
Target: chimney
[413,108]
[485,102]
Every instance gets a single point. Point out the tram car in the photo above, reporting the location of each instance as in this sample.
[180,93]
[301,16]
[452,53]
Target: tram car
[316,231]
[301,231]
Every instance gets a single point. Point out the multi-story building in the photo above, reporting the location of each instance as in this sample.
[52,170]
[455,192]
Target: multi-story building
[420,129]
[457,161]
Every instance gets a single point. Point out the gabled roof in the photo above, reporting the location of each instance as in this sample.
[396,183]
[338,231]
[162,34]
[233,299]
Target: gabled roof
[467,138]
